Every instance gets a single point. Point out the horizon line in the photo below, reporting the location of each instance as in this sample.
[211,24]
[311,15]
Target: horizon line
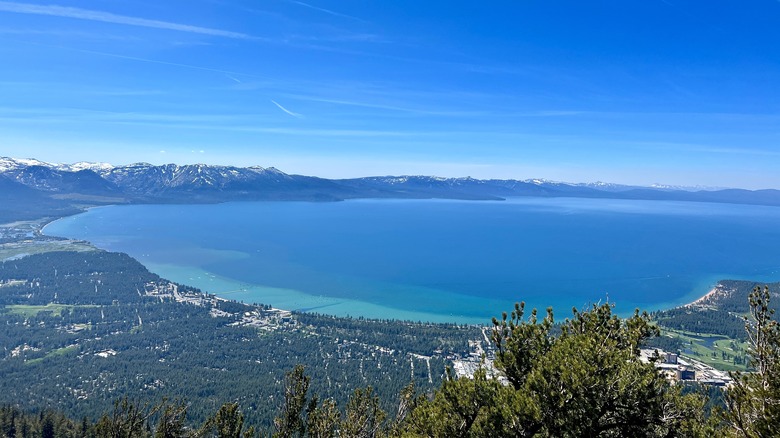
[533,180]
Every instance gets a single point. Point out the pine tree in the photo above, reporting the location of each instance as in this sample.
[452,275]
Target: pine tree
[587,381]
[363,417]
[753,401]
[228,422]
[172,421]
[290,423]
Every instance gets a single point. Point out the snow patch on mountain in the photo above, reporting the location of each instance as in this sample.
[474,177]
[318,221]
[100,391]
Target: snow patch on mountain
[98,168]
[8,164]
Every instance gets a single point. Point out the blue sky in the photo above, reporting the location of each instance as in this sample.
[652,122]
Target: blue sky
[639,92]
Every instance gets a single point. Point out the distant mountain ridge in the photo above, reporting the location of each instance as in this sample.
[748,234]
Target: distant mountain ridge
[87,183]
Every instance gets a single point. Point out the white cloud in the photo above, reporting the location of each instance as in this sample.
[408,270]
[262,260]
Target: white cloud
[286,110]
[107,17]
[155,61]
[327,11]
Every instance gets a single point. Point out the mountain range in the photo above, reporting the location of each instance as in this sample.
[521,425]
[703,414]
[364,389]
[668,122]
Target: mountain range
[27,183]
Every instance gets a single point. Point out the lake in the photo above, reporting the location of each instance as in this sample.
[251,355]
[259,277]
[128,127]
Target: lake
[443,260]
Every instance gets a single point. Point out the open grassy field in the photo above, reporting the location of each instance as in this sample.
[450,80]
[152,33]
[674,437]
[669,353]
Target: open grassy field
[27,310]
[53,353]
[12,250]
[715,350]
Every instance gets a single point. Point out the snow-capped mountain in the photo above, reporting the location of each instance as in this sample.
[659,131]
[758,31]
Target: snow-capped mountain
[196,183]
[49,177]
[141,179]
[144,177]
[99,168]
[7,164]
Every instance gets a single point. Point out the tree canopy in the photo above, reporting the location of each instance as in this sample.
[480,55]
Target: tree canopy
[582,377]
[586,381]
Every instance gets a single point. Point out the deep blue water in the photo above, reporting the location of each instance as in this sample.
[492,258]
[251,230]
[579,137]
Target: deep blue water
[444,260]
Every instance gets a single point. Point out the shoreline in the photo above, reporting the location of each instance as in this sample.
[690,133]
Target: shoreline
[51,220]
[356,308]
[238,290]
[704,298]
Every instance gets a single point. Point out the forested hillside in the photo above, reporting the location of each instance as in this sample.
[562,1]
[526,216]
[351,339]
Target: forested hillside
[83,328]
[712,328]
[588,380]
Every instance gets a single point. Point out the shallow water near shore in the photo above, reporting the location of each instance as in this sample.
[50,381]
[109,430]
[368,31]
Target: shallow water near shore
[444,261]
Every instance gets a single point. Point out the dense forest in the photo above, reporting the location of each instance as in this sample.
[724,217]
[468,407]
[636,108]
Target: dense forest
[82,328]
[587,380]
[721,313]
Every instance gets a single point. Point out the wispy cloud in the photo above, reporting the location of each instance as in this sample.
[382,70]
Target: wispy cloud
[62,33]
[233,78]
[247,123]
[380,106]
[450,111]
[107,17]
[735,151]
[706,149]
[286,110]
[327,11]
[147,60]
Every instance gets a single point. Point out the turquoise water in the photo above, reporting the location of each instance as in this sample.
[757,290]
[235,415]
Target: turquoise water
[434,260]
